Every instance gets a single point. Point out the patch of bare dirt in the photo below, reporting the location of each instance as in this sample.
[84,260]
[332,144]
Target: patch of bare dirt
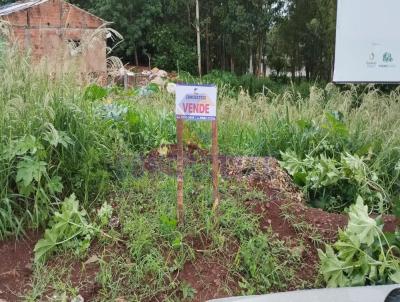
[208,274]
[82,274]
[16,266]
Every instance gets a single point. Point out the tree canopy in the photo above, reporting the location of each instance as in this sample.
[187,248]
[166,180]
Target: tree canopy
[237,35]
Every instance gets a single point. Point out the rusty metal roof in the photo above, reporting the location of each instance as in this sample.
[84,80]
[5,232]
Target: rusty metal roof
[25,4]
[18,6]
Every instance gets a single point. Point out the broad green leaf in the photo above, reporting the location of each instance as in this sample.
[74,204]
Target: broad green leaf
[395,277]
[27,145]
[95,92]
[373,274]
[55,185]
[361,224]
[55,137]
[28,170]
[347,246]
[332,268]
[45,245]
[68,227]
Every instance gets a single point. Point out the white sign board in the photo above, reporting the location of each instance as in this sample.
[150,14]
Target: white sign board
[367,41]
[196,102]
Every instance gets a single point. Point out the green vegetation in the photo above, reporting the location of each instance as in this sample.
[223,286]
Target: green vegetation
[362,255]
[71,163]
[241,35]
[148,261]
[53,144]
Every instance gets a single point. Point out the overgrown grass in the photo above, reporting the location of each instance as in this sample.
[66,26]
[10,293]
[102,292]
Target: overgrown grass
[329,122]
[52,143]
[69,142]
[58,138]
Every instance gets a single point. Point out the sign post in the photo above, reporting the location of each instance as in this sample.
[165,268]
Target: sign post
[196,103]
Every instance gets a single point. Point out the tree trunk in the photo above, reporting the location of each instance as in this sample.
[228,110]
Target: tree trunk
[208,64]
[198,37]
[136,57]
[260,61]
[188,14]
[251,70]
[223,54]
[232,65]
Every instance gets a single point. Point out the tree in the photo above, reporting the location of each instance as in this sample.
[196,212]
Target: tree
[308,37]
[3,2]
[131,18]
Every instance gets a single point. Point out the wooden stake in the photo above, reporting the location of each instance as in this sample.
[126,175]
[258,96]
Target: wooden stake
[179,132]
[215,164]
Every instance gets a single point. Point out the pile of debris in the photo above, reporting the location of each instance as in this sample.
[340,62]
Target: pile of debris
[161,78]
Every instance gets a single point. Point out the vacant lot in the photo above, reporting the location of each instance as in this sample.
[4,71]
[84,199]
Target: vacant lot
[88,187]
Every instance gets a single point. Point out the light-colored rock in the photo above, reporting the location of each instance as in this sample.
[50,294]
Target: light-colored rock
[162,73]
[348,294]
[158,81]
[155,70]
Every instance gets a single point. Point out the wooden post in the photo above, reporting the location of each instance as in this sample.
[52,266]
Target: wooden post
[215,164]
[180,209]
[126,79]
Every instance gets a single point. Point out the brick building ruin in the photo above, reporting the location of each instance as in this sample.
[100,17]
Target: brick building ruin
[58,33]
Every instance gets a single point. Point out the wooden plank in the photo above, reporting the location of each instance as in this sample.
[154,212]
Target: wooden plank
[215,164]
[180,170]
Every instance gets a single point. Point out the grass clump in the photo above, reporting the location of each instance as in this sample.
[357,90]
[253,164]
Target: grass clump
[52,144]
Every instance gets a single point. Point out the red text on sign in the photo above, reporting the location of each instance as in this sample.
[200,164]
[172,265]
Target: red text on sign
[196,108]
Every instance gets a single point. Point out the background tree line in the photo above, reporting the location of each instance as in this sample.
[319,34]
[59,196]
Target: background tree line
[240,36]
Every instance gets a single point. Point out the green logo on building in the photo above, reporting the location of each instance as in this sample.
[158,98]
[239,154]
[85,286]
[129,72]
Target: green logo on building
[387,57]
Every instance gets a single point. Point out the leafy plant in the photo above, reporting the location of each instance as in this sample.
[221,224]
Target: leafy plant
[104,214]
[327,180]
[69,229]
[169,229]
[362,255]
[188,292]
[95,92]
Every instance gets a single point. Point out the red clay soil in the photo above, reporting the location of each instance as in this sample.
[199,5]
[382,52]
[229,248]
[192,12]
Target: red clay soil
[209,277]
[16,270]
[309,225]
[16,266]
[83,274]
[209,274]
[286,214]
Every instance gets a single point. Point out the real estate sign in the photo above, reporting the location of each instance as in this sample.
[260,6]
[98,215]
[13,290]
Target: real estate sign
[367,41]
[196,102]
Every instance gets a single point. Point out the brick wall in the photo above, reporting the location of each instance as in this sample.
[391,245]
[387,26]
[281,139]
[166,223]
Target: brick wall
[46,29]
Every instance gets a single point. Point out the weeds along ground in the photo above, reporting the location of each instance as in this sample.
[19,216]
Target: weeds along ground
[71,162]
[336,144]
[58,139]
[153,260]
